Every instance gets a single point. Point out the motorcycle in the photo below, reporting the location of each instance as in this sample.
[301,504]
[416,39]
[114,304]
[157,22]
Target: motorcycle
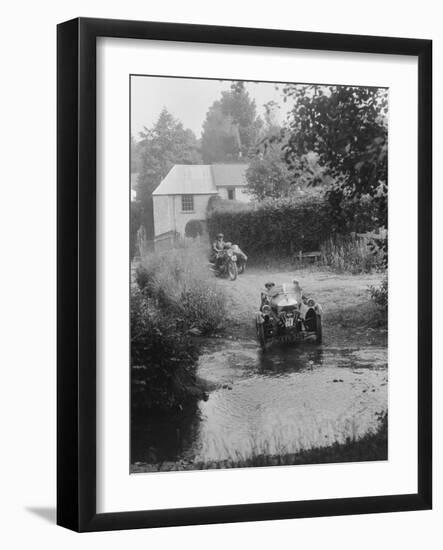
[225,264]
[241,258]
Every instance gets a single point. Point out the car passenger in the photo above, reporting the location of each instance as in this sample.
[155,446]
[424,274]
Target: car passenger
[298,290]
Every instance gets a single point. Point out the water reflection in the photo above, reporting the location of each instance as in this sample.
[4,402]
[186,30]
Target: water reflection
[284,359]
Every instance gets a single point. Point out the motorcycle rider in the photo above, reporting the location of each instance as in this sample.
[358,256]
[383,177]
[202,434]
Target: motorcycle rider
[217,248]
[219,244]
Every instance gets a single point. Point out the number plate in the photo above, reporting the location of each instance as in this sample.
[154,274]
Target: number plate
[289,322]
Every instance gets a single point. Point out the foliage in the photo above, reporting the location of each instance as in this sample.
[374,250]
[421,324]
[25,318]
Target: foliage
[193,228]
[163,358]
[269,176]
[135,222]
[216,203]
[347,128]
[231,126]
[180,284]
[135,155]
[378,243]
[380,294]
[350,253]
[284,225]
[165,144]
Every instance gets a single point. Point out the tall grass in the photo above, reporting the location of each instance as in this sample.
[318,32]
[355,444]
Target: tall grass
[351,253]
[181,285]
[379,294]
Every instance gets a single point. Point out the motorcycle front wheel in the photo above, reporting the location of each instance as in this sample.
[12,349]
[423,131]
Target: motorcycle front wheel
[232,270]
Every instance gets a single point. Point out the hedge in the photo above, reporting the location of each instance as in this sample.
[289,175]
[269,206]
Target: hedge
[283,226]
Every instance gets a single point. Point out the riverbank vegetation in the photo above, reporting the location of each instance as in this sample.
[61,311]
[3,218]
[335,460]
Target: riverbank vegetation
[163,359]
[180,284]
[173,299]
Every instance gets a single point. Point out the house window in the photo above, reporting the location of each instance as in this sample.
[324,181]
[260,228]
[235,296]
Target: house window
[231,194]
[187,203]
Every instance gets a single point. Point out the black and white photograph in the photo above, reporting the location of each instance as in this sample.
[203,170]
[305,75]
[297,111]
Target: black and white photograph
[222,305]
[259,273]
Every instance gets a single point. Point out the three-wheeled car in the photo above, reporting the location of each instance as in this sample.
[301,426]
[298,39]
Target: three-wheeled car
[287,315]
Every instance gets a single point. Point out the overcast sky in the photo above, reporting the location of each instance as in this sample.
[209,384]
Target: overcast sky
[188,99]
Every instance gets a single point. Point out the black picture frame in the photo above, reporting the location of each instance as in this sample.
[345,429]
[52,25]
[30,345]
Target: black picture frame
[76,265]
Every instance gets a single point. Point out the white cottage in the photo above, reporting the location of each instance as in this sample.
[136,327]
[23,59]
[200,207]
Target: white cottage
[182,197]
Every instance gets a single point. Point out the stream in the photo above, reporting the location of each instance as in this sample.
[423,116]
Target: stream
[286,400]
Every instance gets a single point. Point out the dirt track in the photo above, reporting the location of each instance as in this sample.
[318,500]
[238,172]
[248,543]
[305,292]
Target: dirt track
[348,313]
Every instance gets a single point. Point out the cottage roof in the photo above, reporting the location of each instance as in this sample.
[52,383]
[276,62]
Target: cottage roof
[201,179]
[184,179]
[229,175]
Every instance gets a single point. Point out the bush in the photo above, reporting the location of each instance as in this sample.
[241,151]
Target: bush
[274,226]
[163,359]
[216,203]
[380,294]
[193,229]
[180,284]
[353,254]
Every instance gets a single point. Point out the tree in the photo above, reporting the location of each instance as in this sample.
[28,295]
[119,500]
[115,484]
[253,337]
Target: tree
[231,127]
[347,128]
[165,144]
[269,176]
[135,155]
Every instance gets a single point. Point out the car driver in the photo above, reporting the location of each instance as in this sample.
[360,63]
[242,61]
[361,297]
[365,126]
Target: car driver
[266,293]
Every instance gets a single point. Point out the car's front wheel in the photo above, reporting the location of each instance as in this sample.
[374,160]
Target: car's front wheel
[261,335]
